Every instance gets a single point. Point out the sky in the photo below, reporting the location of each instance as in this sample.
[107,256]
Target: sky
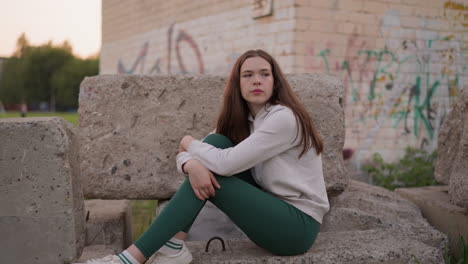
[78,21]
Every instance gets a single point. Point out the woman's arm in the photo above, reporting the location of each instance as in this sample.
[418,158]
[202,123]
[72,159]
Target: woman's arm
[201,179]
[184,156]
[276,134]
[181,159]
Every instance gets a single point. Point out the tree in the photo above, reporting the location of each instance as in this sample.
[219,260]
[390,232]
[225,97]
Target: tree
[67,80]
[44,73]
[40,65]
[21,45]
[11,82]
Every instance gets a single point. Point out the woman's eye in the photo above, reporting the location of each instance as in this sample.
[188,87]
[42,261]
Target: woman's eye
[247,75]
[266,74]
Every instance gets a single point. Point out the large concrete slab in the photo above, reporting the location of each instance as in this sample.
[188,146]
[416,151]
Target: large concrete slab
[131,126]
[366,224]
[450,136]
[109,222]
[436,207]
[458,184]
[41,207]
[452,153]
[330,248]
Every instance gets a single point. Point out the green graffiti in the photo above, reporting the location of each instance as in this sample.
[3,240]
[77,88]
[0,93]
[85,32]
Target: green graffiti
[379,70]
[323,54]
[354,92]
[388,65]
[419,115]
[344,67]
[418,109]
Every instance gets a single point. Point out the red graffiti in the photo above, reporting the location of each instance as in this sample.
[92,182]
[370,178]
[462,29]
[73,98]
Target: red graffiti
[182,36]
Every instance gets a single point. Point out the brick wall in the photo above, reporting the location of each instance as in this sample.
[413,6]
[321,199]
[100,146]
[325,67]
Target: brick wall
[148,37]
[402,61]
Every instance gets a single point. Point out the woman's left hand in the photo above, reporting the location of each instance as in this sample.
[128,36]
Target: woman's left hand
[185,143]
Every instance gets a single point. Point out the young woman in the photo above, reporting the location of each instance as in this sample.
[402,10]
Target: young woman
[262,168]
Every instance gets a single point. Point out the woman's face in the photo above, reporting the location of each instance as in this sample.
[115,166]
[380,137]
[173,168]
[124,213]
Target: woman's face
[256,83]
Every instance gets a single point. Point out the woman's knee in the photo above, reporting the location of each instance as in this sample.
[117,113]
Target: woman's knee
[218,140]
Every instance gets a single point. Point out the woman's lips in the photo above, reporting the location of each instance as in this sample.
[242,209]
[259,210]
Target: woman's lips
[257,91]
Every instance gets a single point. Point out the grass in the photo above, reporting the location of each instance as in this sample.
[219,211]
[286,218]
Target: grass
[71,117]
[143,211]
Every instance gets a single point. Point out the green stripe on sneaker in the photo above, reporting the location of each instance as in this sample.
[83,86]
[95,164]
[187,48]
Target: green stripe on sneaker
[173,247]
[174,244]
[124,259]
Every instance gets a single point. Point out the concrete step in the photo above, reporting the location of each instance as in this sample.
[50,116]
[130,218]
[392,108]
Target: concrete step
[109,223]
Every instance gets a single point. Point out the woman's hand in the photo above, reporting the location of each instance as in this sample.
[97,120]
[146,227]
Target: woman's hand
[201,179]
[185,143]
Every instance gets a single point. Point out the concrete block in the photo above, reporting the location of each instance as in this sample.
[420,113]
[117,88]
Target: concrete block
[96,252]
[109,223]
[41,207]
[366,224]
[448,143]
[458,184]
[323,97]
[436,207]
[452,152]
[330,248]
[131,126]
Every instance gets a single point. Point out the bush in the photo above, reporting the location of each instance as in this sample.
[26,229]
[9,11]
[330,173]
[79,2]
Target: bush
[415,169]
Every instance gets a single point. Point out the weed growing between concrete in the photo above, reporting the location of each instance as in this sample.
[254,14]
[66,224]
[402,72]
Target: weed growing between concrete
[143,214]
[449,258]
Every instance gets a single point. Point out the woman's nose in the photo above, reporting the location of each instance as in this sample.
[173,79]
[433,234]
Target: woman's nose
[256,79]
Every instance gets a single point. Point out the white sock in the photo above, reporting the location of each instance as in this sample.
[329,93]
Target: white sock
[126,258]
[172,247]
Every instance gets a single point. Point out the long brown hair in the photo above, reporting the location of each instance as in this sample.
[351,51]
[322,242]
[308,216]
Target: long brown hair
[233,120]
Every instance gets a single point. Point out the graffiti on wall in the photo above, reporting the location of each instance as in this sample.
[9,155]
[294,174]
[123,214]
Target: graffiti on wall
[181,37]
[410,82]
[456,14]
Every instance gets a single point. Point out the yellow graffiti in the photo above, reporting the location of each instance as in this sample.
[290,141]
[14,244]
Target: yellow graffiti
[449,37]
[461,14]
[455,6]
[381,78]
[453,88]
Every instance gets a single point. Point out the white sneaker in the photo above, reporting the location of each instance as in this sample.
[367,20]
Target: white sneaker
[111,259]
[183,257]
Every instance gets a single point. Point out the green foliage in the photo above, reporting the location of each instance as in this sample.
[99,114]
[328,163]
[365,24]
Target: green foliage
[415,169]
[66,81]
[44,73]
[12,87]
[450,259]
[39,66]
[143,213]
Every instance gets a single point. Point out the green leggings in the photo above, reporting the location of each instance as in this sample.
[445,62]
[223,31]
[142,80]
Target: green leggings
[267,220]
